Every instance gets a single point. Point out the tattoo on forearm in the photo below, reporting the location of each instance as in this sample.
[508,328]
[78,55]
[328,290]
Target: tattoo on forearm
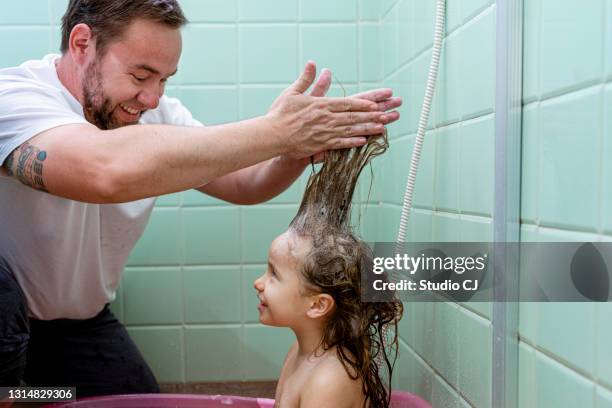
[26,164]
[8,164]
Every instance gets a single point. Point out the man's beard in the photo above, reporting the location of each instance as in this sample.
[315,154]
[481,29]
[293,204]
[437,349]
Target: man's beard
[98,108]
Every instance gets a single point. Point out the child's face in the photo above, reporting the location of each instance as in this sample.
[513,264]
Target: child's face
[278,289]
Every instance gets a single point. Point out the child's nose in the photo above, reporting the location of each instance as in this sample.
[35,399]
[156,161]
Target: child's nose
[258,284]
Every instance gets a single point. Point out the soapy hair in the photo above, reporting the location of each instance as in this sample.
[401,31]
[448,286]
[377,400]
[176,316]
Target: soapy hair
[336,265]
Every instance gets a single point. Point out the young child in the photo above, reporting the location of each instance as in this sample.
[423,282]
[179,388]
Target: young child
[313,286]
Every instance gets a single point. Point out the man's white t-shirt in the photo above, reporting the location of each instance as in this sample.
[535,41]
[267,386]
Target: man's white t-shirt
[68,256]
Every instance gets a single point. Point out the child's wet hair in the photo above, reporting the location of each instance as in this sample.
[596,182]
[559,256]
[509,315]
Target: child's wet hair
[335,264]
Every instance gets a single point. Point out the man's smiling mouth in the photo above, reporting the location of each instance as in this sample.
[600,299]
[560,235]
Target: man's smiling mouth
[129,110]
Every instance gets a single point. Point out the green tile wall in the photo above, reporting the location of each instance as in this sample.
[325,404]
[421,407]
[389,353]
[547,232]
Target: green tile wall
[212,294]
[264,350]
[607,152]
[265,43]
[213,353]
[162,287]
[160,244]
[210,11]
[319,10]
[475,164]
[564,348]
[570,45]
[33,43]
[558,386]
[369,46]
[268,10]
[603,398]
[608,41]
[446,347]
[564,173]
[339,52]
[209,54]
[163,348]
[187,295]
[564,183]
[14,13]
[213,104]
[447,106]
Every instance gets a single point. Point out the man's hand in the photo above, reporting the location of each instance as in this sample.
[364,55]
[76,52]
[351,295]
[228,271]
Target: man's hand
[382,96]
[310,124]
[322,85]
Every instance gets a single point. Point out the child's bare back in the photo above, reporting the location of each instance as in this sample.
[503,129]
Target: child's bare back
[321,381]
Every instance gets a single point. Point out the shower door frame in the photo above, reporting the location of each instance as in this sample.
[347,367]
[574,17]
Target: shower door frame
[506,213]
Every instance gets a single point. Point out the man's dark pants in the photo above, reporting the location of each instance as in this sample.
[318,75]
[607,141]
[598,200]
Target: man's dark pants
[95,355]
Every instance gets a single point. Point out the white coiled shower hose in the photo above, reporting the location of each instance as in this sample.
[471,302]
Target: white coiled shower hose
[418,143]
[423,120]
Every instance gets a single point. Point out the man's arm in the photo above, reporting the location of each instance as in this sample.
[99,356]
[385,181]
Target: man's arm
[83,163]
[25,164]
[257,183]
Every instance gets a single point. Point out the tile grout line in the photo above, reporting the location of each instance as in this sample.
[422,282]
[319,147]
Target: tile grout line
[241,351]
[589,377]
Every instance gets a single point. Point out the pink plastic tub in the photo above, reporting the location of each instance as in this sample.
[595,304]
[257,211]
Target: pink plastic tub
[399,399]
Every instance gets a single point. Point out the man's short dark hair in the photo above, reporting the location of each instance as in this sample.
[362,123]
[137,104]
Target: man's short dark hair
[108,19]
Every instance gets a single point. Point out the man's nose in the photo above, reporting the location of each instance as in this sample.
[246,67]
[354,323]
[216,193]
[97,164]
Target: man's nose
[150,97]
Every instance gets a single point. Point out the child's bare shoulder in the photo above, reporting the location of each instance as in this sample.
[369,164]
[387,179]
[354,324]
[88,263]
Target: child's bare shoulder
[332,370]
[330,385]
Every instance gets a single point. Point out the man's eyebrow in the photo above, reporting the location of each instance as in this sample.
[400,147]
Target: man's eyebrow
[152,70]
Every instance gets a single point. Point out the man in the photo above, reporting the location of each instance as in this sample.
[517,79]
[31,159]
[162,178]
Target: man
[78,184]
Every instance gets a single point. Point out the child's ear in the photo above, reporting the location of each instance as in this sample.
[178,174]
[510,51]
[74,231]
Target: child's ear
[320,305]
